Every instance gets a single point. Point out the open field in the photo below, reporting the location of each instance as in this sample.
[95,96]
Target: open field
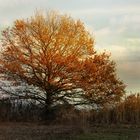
[28,131]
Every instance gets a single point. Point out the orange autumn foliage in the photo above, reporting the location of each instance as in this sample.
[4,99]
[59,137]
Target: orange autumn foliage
[56,53]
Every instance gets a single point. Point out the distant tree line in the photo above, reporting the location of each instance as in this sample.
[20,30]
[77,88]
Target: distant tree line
[125,112]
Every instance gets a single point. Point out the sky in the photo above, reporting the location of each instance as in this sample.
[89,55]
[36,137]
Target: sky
[115,25]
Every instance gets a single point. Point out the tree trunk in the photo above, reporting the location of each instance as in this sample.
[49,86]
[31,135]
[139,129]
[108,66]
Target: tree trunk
[48,113]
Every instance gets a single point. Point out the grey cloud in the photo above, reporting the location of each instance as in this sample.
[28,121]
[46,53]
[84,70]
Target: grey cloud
[130,73]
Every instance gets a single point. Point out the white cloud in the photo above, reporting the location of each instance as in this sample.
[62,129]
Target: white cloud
[133,40]
[103,32]
[118,53]
[113,10]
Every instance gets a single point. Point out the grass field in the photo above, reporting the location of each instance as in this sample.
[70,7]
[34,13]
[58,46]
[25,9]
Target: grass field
[28,131]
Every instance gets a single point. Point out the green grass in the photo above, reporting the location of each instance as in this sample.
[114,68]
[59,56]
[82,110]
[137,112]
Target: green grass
[107,136]
[29,131]
[105,133]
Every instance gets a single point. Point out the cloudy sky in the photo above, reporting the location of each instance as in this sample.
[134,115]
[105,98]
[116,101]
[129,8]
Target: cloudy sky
[115,25]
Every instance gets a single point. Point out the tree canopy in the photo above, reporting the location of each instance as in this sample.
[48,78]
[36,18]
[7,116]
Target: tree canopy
[56,54]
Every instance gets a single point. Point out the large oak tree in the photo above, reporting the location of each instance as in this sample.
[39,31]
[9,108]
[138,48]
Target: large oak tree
[56,54]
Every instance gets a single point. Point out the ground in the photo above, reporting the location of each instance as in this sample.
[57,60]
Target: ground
[36,131]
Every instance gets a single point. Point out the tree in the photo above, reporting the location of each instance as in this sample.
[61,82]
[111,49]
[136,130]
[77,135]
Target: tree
[55,54]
